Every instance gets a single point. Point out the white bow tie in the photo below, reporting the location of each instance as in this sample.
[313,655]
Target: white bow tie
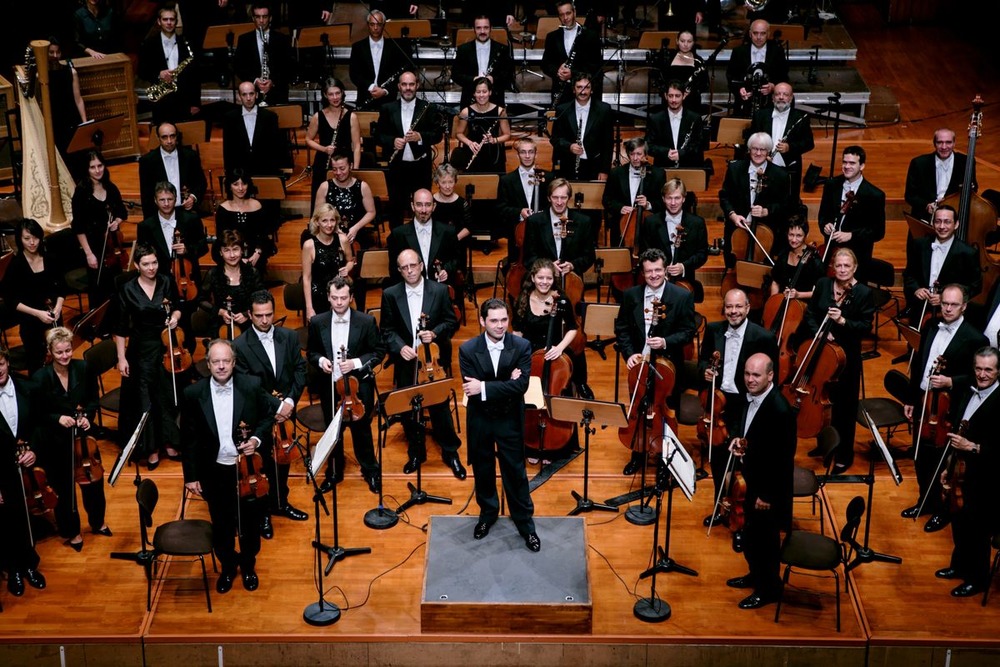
[340,320]
[732,333]
[498,347]
[950,328]
[412,292]
[267,338]
[222,389]
[937,246]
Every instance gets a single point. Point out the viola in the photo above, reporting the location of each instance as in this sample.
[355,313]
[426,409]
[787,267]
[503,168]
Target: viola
[87,467]
[541,432]
[41,500]
[712,431]
[176,358]
[935,425]
[782,315]
[818,363]
[183,272]
[954,475]
[228,331]
[282,443]
[679,235]
[732,505]
[347,389]
[251,482]
[428,362]
[570,283]
[115,255]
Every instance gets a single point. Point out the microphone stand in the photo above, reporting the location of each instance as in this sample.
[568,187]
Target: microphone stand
[642,514]
[834,109]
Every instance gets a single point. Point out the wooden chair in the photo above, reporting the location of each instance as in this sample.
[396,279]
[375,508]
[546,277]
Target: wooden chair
[464,35]
[599,320]
[546,24]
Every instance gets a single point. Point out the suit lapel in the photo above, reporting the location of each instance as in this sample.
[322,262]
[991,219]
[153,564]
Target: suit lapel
[404,309]
[255,346]
[208,409]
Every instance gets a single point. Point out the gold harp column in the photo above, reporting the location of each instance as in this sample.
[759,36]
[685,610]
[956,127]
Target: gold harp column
[41,48]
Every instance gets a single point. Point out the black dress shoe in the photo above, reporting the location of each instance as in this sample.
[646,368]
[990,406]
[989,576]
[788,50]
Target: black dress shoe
[738,541]
[946,573]
[152,465]
[911,512]
[839,468]
[35,578]
[75,546]
[532,542]
[632,467]
[329,482]
[106,532]
[815,451]
[966,590]
[15,584]
[481,530]
[266,527]
[411,466]
[293,513]
[374,481]
[719,518]
[740,582]
[585,392]
[456,466]
[756,601]
[225,582]
[250,580]
[936,523]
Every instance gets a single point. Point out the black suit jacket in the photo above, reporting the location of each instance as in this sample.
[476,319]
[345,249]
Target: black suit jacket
[959,356]
[10,475]
[980,489]
[961,265]
[397,329]
[199,432]
[280,62]
[769,462]
[921,181]
[693,250]
[588,57]
[465,70]
[363,342]
[799,134]
[865,220]
[775,65]
[290,377]
[192,231]
[390,126]
[362,70]
[617,192]
[152,61]
[511,198]
[266,155]
[661,139]
[152,171]
[598,136]
[53,401]
[735,195]
[678,328]
[578,247]
[503,409]
[755,339]
[444,247]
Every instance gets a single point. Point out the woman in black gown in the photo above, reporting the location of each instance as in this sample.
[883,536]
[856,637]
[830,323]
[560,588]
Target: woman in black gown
[230,279]
[449,208]
[98,212]
[685,65]
[146,384]
[481,132]
[244,213]
[787,263]
[334,129]
[326,253]
[59,389]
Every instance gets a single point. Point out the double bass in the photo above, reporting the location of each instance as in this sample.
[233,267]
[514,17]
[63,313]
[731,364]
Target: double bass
[541,432]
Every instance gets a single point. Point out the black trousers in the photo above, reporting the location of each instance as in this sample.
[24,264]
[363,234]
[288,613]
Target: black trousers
[762,548]
[233,519]
[17,554]
[59,468]
[972,529]
[361,438]
[503,442]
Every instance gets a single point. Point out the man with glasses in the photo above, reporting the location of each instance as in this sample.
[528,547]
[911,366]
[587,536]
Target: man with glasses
[265,46]
[519,193]
[952,339]
[403,304]
[376,64]
[753,190]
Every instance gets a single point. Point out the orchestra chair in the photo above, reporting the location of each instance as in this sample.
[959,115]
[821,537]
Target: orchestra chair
[186,539]
[11,215]
[805,482]
[88,328]
[374,267]
[100,359]
[881,279]
[290,120]
[190,133]
[886,412]
[654,40]
[375,178]
[295,301]
[995,545]
[546,24]
[599,320]
[310,418]
[367,120]
[731,133]
[813,552]
[695,181]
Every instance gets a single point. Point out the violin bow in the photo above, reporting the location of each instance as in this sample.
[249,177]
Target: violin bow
[170,349]
[24,495]
[937,474]
[722,489]
[104,250]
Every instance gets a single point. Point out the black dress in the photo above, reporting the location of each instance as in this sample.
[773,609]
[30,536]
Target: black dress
[783,272]
[216,287]
[686,75]
[492,158]
[324,137]
[253,226]
[350,203]
[535,329]
[327,263]
[90,218]
[148,386]
[22,285]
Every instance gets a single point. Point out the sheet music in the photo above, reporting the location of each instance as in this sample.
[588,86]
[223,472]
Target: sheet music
[681,464]
[326,444]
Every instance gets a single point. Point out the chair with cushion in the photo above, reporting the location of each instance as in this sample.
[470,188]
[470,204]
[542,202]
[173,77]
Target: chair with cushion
[100,359]
[805,483]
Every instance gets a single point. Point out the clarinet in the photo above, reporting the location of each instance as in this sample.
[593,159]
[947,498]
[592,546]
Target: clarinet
[489,133]
[579,140]
[416,120]
[560,88]
[784,138]
[684,145]
[265,66]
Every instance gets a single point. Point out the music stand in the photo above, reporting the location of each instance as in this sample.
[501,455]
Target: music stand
[415,399]
[224,37]
[610,261]
[586,412]
[94,133]
[126,453]
[338,34]
[322,612]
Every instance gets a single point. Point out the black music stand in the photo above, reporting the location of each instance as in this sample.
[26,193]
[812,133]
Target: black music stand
[415,399]
[381,518]
[94,133]
[224,37]
[669,471]
[566,409]
[126,453]
[321,612]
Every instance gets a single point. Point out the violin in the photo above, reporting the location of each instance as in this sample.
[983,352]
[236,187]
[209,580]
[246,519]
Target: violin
[87,467]
[782,315]
[428,362]
[845,208]
[570,283]
[251,482]
[937,402]
[818,363]
[41,500]
[50,307]
[183,272]
[541,432]
[732,505]
[347,389]
[679,235]
[228,331]
[712,431]
[114,247]
[954,475]
[176,358]
[282,443]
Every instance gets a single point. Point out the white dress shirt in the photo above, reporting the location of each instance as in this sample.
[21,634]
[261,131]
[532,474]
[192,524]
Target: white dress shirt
[222,407]
[482,56]
[569,38]
[734,343]
[167,227]
[779,121]
[8,405]
[376,49]
[939,251]
[172,166]
[753,405]
[978,397]
[423,231]
[556,233]
[582,114]
[649,295]
[942,175]
[941,342]
[415,305]
[169,50]
[992,328]
[250,122]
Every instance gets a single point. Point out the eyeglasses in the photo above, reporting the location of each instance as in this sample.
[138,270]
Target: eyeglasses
[758,149]
[409,267]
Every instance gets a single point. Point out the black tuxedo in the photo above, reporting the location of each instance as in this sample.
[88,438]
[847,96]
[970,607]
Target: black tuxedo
[588,56]
[397,331]
[768,468]
[16,551]
[735,197]
[598,140]
[268,152]
[406,177]
[678,328]
[975,523]
[200,434]
[280,62]
[192,231]
[775,67]
[289,379]
[365,344]
[495,427]
[444,248]
[578,247]
[865,220]
[692,252]
[961,265]
[798,135]
[617,194]
[152,171]
[152,60]
[465,70]
[921,181]
[510,200]
[362,70]
[661,139]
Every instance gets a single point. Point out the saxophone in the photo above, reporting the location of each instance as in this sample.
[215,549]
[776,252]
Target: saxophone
[265,67]
[161,89]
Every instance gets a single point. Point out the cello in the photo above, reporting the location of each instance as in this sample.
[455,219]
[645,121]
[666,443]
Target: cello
[818,362]
[750,243]
[541,432]
[87,467]
[517,270]
[783,315]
